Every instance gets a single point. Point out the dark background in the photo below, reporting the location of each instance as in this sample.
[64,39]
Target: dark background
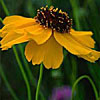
[86,16]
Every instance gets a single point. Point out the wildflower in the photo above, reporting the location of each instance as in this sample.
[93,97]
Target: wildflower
[47,33]
[61,93]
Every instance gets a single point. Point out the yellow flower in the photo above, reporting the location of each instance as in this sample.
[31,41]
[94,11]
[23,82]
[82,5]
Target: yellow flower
[47,34]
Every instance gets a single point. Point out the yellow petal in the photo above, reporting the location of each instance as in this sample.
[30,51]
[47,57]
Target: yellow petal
[2,34]
[34,29]
[34,52]
[42,35]
[4,48]
[50,53]
[92,57]
[16,24]
[81,32]
[83,37]
[71,44]
[54,54]
[10,19]
[5,30]
[25,23]
[19,24]
[13,38]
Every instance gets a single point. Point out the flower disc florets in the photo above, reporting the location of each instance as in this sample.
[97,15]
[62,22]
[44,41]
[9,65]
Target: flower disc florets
[54,19]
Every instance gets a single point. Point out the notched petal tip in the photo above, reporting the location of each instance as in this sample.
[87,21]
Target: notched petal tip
[34,52]
[50,53]
[91,57]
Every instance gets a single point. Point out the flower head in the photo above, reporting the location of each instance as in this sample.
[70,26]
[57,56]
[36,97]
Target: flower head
[54,19]
[61,93]
[47,33]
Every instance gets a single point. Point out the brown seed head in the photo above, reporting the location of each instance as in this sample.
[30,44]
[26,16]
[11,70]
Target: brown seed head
[54,19]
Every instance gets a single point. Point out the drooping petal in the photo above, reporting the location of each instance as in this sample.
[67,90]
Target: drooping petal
[71,44]
[83,37]
[50,53]
[13,38]
[92,57]
[54,54]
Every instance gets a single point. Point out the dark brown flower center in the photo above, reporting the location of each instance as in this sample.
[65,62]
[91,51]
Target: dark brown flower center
[54,19]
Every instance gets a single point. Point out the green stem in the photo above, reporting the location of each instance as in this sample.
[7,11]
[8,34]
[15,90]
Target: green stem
[93,85]
[17,58]
[4,8]
[23,73]
[32,79]
[74,69]
[39,82]
[7,83]
[30,75]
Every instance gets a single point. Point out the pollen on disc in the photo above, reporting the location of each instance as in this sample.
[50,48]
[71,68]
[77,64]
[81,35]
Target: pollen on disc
[54,19]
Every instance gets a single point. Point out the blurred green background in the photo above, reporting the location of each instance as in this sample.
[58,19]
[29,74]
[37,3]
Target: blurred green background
[86,16]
